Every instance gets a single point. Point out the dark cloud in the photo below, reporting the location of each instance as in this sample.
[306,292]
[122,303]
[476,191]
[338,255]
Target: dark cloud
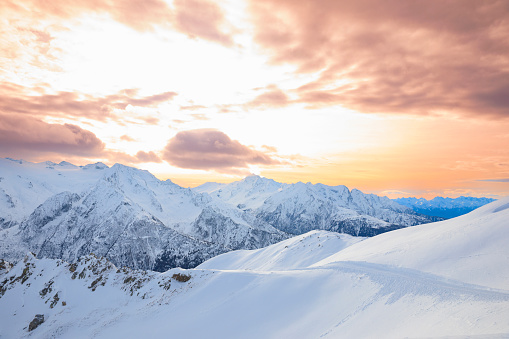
[24,136]
[17,99]
[210,149]
[391,56]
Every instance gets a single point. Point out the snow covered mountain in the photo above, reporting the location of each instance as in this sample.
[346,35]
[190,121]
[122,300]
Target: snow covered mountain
[299,208]
[441,280]
[122,213]
[444,207]
[25,185]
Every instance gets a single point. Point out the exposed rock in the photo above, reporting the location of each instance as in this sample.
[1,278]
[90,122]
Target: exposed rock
[181,277]
[38,320]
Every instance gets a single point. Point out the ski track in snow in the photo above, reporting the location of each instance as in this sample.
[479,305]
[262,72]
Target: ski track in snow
[409,281]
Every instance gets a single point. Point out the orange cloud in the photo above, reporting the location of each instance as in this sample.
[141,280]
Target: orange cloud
[26,137]
[125,137]
[210,149]
[392,56]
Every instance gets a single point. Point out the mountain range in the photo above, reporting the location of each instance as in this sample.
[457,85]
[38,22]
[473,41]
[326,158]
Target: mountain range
[444,207]
[122,213]
[134,219]
[302,207]
[440,280]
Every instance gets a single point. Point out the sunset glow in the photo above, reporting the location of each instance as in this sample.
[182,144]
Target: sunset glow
[395,98]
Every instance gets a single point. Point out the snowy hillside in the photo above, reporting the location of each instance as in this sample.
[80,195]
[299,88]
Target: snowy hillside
[298,252]
[471,248]
[299,208]
[442,280]
[122,213]
[444,207]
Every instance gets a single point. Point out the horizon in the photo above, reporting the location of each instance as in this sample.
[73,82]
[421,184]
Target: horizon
[396,99]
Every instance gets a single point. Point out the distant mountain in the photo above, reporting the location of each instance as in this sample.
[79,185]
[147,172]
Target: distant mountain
[299,208]
[444,207]
[122,213]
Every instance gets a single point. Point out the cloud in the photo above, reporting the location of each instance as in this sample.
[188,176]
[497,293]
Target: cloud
[419,57]
[147,157]
[269,149]
[18,99]
[210,149]
[202,117]
[125,137]
[496,180]
[192,107]
[140,157]
[25,136]
[203,19]
[273,97]
[196,18]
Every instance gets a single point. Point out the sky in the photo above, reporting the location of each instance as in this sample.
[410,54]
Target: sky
[397,98]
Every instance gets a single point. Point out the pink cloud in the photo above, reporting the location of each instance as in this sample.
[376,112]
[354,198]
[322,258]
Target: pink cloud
[210,149]
[415,57]
[270,98]
[24,136]
[124,158]
[202,19]
[18,99]
[196,18]
[147,157]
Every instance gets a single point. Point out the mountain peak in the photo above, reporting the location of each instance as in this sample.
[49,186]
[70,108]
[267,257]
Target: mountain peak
[66,164]
[20,161]
[97,165]
[252,177]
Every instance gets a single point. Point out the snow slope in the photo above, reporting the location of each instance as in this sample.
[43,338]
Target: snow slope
[299,208]
[354,293]
[471,248]
[298,252]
